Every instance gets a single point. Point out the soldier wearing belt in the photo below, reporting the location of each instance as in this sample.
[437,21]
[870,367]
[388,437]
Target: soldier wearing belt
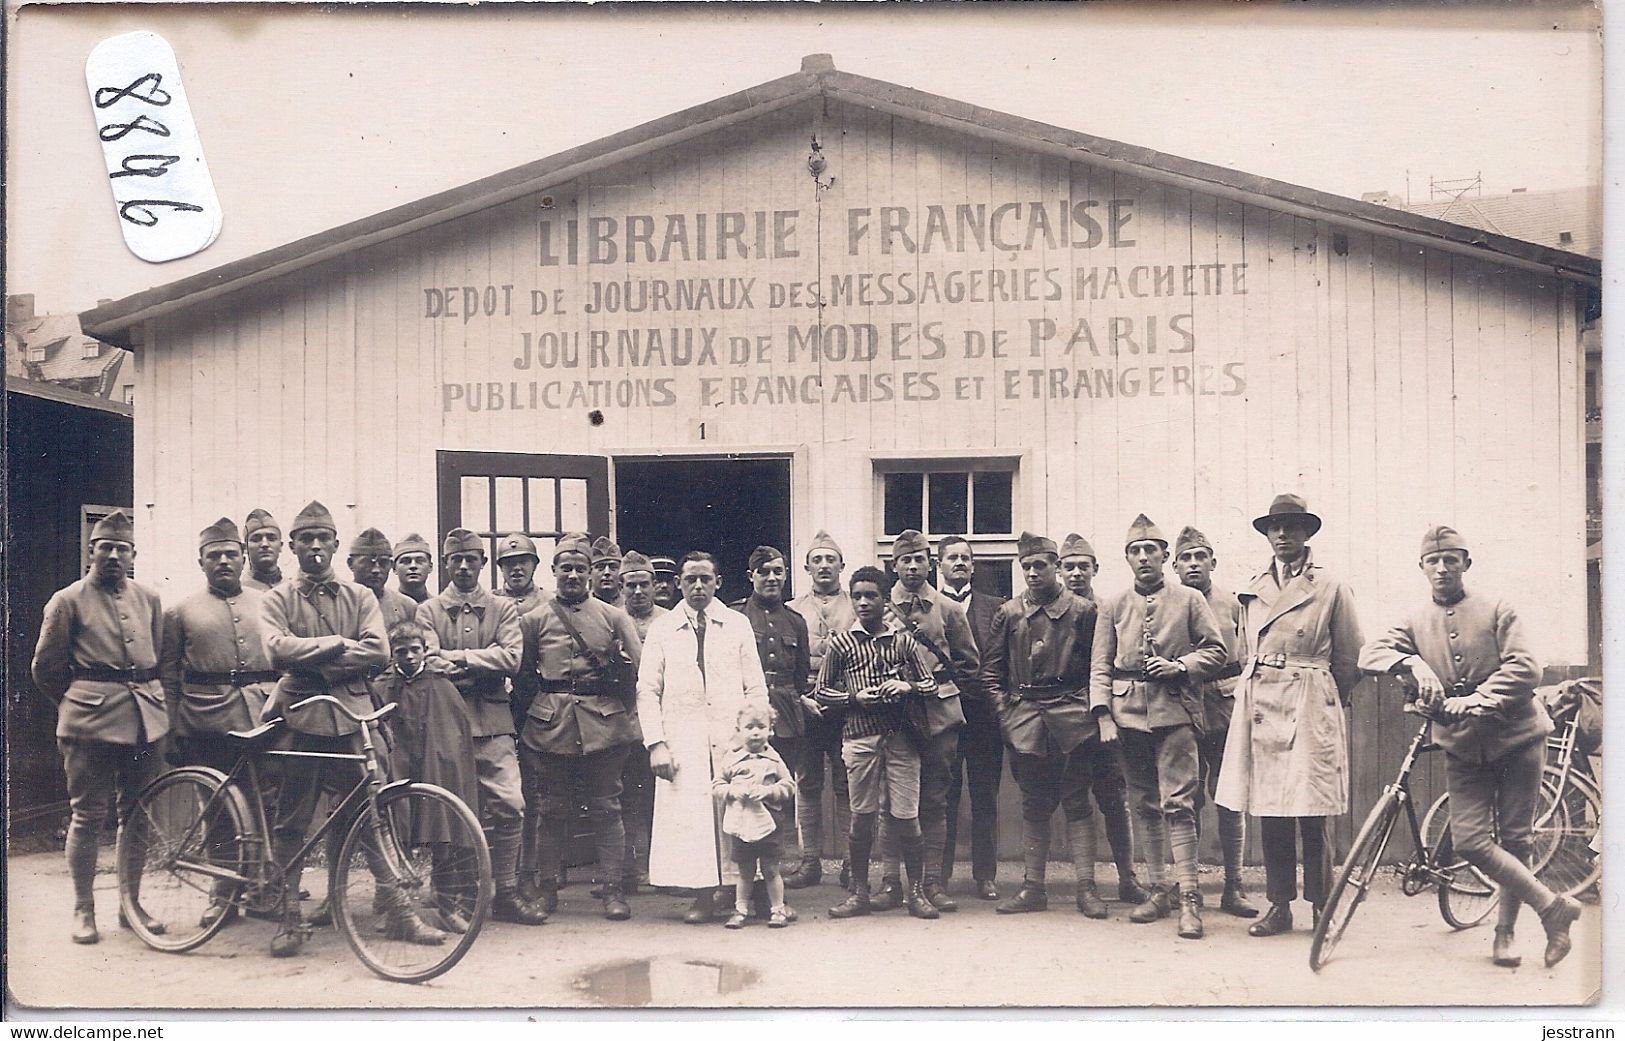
[1286,759]
[782,644]
[637,779]
[606,571]
[1194,561]
[1472,667]
[474,635]
[263,537]
[414,563]
[827,609]
[940,626]
[579,655]
[327,637]
[1036,667]
[1155,644]
[1079,565]
[370,563]
[97,659]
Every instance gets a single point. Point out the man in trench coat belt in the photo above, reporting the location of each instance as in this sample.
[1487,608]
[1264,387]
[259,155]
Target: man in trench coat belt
[1286,759]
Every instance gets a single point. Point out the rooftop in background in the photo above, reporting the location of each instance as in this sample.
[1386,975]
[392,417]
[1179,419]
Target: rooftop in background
[51,350]
[1568,219]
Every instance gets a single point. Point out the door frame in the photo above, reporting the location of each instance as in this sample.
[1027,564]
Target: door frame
[800,475]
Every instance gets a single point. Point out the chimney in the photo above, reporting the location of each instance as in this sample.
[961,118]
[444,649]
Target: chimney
[816,63]
[19,309]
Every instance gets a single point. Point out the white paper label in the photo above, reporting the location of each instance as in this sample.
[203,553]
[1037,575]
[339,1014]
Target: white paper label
[163,195]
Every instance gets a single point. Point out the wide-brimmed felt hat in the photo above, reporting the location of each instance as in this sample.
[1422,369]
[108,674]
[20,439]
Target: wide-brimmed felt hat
[1287,505]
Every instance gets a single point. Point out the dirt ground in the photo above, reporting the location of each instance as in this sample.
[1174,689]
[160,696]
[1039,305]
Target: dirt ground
[1398,951]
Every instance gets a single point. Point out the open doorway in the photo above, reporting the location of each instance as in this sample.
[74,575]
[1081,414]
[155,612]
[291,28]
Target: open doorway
[725,506]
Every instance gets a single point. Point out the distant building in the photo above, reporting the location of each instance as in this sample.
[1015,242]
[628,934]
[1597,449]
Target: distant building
[51,349]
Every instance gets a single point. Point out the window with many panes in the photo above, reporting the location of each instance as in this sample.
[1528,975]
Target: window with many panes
[544,508]
[970,497]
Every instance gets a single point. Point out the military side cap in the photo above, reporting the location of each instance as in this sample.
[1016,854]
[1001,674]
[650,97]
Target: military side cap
[1142,530]
[1075,545]
[661,565]
[413,543]
[258,519]
[910,541]
[370,543]
[314,515]
[515,544]
[1287,505]
[1191,538]
[461,540]
[823,541]
[573,543]
[603,549]
[222,530]
[1441,537]
[115,526]
[635,561]
[762,555]
[1031,545]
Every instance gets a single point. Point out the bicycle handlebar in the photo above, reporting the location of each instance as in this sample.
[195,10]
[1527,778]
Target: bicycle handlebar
[371,717]
[1413,708]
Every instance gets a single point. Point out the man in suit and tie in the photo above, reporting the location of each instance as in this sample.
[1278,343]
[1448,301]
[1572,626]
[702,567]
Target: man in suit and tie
[981,744]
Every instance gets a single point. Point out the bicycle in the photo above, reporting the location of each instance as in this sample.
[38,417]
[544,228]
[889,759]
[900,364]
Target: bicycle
[1567,818]
[1466,896]
[197,847]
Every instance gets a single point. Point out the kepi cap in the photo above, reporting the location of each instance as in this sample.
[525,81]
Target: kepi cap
[1287,505]
[661,565]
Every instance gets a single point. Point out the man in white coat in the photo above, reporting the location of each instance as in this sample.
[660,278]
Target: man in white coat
[699,666]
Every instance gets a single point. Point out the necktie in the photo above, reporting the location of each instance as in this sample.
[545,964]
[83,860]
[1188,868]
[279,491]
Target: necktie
[699,642]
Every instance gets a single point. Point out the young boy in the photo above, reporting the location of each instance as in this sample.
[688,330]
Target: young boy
[1472,667]
[432,741]
[870,669]
[755,782]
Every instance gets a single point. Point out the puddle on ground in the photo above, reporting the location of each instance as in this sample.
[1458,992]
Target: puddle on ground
[662,981]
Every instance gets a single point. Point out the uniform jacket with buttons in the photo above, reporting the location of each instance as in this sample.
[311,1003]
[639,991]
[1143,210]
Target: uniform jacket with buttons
[307,621]
[250,582]
[1227,615]
[212,632]
[782,643]
[479,631]
[825,615]
[525,602]
[937,622]
[396,607]
[574,709]
[642,624]
[1035,666]
[1181,628]
[1476,643]
[88,626]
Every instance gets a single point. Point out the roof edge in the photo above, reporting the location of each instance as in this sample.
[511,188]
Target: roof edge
[52,392]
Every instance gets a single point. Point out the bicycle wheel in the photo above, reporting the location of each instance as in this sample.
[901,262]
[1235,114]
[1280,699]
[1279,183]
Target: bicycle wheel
[1354,879]
[1466,896]
[182,850]
[430,860]
[1565,824]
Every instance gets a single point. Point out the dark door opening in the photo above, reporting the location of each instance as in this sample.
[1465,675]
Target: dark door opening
[726,507]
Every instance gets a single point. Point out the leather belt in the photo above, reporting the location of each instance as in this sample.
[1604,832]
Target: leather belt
[1228,672]
[1130,674]
[1043,691]
[110,674]
[567,687]
[1292,661]
[234,678]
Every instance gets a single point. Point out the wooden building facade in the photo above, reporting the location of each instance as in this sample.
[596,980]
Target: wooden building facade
[832,302]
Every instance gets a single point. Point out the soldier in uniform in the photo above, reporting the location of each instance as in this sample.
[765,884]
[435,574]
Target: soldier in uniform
[370,562]
[1471,665]
[263,537]
[1194,561]
[1155,644]
[782,643]
[606,571]
[1078,569]
[981,742]
[827,609]
[666,593]
[327,637]
[517,560]
[414,563]
[97,658]
[1036,664]
[940,626]
[637,779]
[1286,759]
[583,720]
[475,636]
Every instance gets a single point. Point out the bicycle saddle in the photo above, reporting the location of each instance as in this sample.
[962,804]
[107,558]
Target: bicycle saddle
[257,734]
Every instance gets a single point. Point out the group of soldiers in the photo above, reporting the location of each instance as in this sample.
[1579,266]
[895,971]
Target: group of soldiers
[1146,702]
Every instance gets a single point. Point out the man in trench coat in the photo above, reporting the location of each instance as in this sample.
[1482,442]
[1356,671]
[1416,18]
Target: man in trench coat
[1286,759]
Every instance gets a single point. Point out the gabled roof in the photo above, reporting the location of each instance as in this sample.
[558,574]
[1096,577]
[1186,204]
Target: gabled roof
[118,322]
[1544,217]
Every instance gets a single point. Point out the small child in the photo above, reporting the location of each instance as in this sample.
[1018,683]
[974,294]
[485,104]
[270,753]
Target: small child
[755,782]
[432,741]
